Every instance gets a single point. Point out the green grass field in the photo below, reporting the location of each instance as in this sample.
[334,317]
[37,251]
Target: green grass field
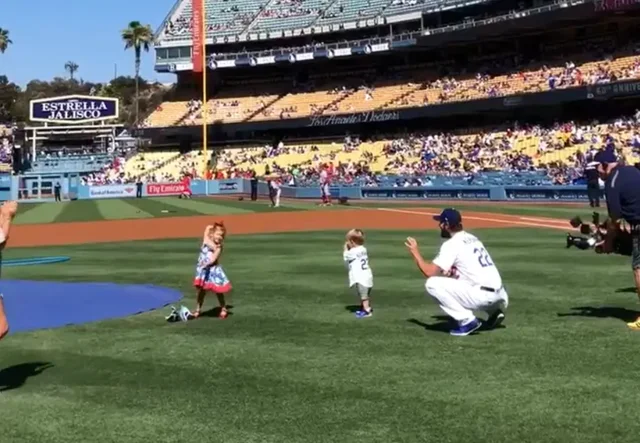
[293,364]
[113,209]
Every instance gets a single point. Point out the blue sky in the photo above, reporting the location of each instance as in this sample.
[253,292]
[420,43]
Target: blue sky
[48,33]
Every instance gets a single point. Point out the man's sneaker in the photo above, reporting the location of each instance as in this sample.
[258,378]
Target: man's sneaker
[494,320]
[173,316]
[634,325]
[184,313]
[364,314]
[569,240]
[467,329]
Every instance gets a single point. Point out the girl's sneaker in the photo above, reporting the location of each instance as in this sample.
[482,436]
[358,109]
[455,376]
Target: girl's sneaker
[364,314]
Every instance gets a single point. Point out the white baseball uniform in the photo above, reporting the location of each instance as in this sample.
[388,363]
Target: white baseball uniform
[357,260]
[277,191]
[324,183]
[477,285]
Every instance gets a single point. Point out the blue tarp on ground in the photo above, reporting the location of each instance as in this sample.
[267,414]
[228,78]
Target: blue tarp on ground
[32,305]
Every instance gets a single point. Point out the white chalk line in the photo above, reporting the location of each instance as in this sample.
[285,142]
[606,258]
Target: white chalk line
[545,220]
[486,219]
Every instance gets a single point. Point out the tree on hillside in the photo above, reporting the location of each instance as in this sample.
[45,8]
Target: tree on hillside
[9,95]
[14,101]
[140,38]
[71,68]
[38,89]
[5,41]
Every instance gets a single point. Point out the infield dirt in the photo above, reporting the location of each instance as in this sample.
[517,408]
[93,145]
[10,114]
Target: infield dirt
[256,223]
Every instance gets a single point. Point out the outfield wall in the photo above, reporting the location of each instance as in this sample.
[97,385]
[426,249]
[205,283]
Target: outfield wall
[243,187]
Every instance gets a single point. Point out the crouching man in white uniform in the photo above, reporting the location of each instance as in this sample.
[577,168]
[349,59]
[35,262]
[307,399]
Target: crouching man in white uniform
[462,278]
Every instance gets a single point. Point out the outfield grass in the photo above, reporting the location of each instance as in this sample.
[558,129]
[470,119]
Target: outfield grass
[148,207]
[154,207]
[531,210]
[293,365]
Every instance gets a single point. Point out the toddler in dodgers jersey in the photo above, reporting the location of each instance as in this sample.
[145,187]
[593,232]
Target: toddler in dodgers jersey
[360,275]
[209,274]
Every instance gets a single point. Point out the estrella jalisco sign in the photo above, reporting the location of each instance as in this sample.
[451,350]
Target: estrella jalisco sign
[74,109]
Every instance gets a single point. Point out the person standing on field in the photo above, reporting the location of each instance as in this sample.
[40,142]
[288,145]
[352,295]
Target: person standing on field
[7,213]
[622,189]
[56,191]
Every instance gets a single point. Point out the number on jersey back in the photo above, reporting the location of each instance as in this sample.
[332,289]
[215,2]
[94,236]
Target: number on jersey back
[483,257]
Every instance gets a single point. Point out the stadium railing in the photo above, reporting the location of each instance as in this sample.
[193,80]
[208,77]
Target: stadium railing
[238,187]
[346,21]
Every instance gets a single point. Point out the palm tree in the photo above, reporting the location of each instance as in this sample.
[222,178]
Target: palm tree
[5,41]
[139,37]
[72,68]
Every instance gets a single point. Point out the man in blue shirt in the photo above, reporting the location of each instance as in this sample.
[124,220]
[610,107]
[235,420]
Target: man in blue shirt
[622,189]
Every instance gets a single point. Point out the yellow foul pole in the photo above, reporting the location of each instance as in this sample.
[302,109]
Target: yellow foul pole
[205,107]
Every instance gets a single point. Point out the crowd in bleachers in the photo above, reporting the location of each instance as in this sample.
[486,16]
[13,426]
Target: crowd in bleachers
[6,147]
[289,8]
[560,152]
[420,85]
[221,17]
[225,17]
[555,154]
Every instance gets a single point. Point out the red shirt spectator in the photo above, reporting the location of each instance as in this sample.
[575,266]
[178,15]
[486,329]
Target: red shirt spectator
[186,182]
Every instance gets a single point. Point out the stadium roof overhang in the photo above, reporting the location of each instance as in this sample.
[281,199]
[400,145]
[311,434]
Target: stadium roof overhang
[77,129]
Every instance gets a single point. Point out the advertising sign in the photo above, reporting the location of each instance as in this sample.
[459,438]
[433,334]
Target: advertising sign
[349,119]
[230,186]
[197,6]
[165,188]
[614,5]
[112,191]
[74,109]
[5,181]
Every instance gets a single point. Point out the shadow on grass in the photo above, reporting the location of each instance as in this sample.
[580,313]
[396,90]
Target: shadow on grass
[444,324]
[626,315]
[631,290]
[215,312]
[14,377]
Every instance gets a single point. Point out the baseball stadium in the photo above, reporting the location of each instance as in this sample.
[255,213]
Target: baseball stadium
[299,134]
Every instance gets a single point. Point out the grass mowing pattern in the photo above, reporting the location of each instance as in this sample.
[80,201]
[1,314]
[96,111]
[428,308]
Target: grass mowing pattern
[535,211]
[541,210]
[78,211]
[38,213]
[24,209]
[206,207]
[90,210]
[156,206]
[293,365]
[116,209]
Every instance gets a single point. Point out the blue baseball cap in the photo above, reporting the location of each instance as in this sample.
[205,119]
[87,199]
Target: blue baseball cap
[605,156]
[450,216]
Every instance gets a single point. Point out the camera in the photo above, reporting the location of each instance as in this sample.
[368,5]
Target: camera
[595,232]
[592,232]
